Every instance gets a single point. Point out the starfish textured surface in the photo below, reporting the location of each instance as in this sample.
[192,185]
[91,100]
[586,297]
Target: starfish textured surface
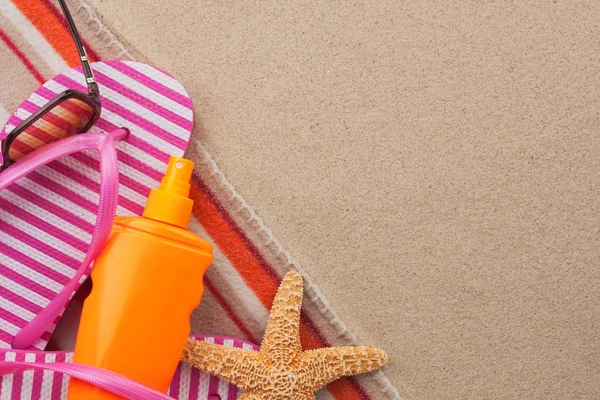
[281,370]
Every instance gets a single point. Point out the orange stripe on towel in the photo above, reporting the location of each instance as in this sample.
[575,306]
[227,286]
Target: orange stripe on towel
[51,28]
[232,246]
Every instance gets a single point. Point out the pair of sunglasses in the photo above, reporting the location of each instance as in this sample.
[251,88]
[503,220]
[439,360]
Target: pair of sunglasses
[70,113]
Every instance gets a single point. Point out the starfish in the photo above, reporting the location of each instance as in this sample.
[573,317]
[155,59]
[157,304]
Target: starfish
[280,370]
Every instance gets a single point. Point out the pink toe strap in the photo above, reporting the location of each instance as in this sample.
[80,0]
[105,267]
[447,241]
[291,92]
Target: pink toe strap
[104,144]
[102,378]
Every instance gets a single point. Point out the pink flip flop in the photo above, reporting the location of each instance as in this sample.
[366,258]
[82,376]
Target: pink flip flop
[47,217]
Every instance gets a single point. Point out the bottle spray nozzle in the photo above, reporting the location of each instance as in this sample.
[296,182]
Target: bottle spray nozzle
[177,177]
[170,202]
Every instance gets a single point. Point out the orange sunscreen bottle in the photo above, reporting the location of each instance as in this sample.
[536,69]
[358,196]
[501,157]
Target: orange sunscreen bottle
[146,283]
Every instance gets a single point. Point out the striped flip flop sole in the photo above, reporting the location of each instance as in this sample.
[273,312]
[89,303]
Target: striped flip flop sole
[46,218]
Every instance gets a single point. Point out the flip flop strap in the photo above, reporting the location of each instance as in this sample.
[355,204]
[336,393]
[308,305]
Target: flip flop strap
[104,144]
[102,378]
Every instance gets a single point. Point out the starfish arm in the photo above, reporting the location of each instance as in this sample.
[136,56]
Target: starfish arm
[282,338]
[322,366]
[234,365]
[250,396]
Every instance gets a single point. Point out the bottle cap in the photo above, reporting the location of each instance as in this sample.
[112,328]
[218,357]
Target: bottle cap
[170,202]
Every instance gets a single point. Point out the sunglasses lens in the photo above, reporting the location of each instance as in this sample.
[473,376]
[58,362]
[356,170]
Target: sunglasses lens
[67,118]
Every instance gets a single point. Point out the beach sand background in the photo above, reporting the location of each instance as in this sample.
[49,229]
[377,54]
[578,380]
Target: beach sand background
[433,166]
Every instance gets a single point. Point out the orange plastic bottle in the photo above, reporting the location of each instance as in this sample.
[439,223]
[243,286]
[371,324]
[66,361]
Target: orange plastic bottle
[146,283]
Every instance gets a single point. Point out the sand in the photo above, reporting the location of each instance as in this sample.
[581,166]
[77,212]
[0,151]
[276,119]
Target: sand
[434,166]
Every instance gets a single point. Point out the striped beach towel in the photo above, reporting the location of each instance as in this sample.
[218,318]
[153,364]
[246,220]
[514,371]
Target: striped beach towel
[249,262]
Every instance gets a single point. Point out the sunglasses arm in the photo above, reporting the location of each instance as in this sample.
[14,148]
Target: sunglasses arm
[89,76]
[85,63]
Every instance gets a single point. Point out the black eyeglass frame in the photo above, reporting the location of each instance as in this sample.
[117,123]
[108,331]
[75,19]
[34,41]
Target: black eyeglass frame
[92,98]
